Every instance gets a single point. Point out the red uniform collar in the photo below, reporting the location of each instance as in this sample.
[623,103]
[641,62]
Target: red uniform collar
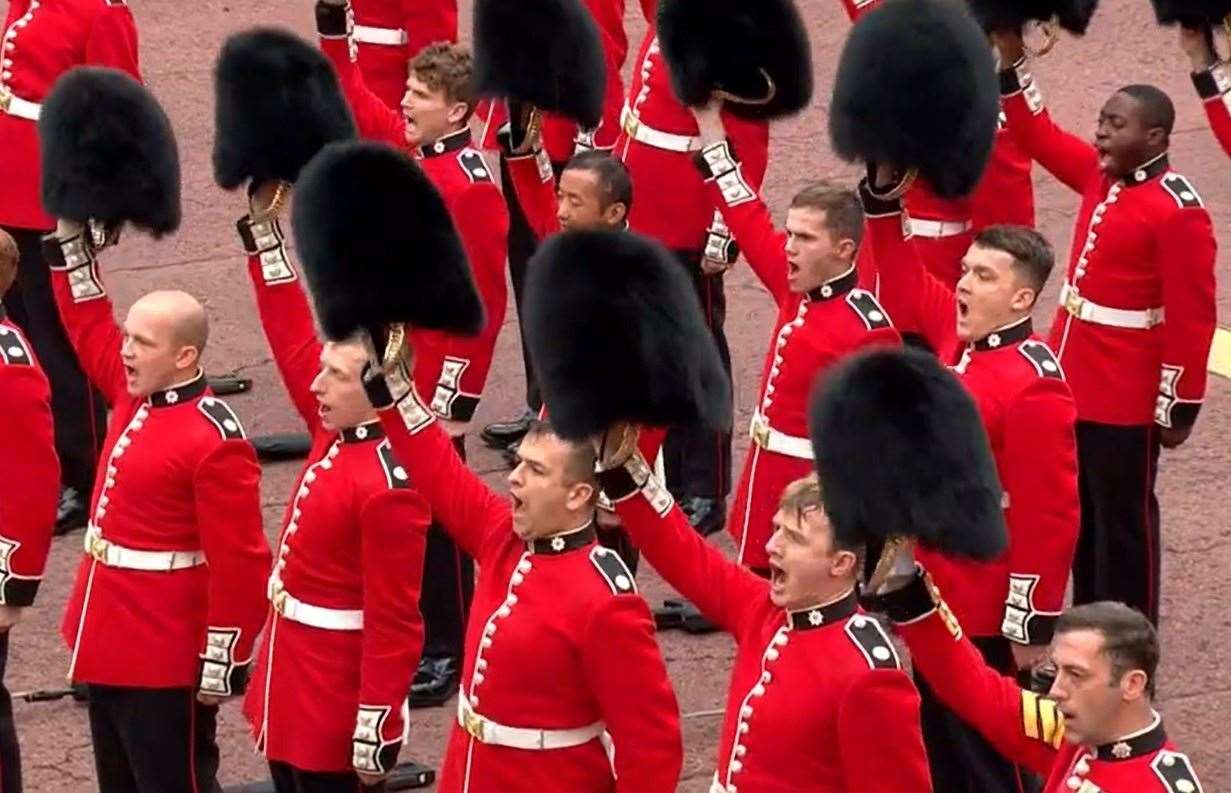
[835,287]
[563,543]
[169,397]
[1138,744]
[827,614]
[1147,171]
[1017,332]
[454,141]
[368,431]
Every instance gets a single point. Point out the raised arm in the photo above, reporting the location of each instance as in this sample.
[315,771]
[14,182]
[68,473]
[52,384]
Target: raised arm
[535,186]
[1212,79]
[393,535]
[376,120]
[85,309]
[285,314]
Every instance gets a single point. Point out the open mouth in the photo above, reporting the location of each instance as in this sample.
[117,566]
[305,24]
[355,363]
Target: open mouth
[130,371]
[517,502]
[777,576]
[792,269]
[963,308]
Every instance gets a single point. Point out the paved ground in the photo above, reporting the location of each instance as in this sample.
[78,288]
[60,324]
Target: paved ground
[179,41]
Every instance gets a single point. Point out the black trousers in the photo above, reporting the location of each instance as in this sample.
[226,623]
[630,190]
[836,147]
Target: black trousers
[153,740]
[78,411]
[1118,549]
[961,760]
[448,589]
[10,750]
[289,779]
[697,461]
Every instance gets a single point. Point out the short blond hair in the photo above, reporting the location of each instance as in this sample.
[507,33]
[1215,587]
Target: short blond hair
[805,495]
[447,68]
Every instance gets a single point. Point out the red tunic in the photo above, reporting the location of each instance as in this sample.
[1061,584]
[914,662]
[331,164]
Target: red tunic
[353,539]
[42,40]
[671,203]
[176,474]
[1214,88]
[29,469]
[811,332]
[1029,729]
[818,701]
[452,369]
[1028,412]
[1142,244]
[556,641]
[385,66]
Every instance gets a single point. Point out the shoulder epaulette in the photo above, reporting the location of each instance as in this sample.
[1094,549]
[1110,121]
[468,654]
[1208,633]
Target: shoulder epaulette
[873,642]
[474,165]
[613,570]
[221,416]
[14,349]
[868,308]
[1176,772]
[1042,358]
[1182,191]
[395,474]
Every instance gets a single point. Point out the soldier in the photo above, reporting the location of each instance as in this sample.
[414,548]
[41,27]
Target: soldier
[1095,729]
[167,601]
[42,40]
[1009,607]
[1212,79]
[564,687]
[31,478]
[343,637]
[389,33]
[434,126]
[810,271]
[1135,320]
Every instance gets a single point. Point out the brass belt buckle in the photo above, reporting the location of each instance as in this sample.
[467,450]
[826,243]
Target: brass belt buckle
[279,600]
[1073,303]
[6,99]
[472,723]
[631,124]
[98,548]
[760,433]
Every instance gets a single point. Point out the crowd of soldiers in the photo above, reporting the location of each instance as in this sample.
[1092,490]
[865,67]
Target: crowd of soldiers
[923,469]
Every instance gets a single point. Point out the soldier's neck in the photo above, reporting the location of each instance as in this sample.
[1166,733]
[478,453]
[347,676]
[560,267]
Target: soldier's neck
[1132,720]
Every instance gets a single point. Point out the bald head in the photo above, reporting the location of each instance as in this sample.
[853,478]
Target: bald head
[179,313]
[8,261]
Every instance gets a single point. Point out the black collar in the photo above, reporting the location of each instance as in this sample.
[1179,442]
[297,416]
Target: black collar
[1149,170]
[815,617]
[183,393]
[369,431]
[1143,742]
[1018,331]
[835,287]
[563,543]
[451,142]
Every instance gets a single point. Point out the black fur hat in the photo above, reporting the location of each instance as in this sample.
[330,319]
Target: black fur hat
[917,88]
[278,102]
[616,334]
[109,153]
[1193,13]
[901,452]
[378,245]
[545,52]
[1072,15]
[725,44]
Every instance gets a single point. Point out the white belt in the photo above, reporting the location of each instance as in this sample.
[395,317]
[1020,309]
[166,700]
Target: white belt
[771,440]
[938,229]
[1088,311]
[112,555]
[669,141]
[295,610]
[389,37]
[16,106]
[489,732]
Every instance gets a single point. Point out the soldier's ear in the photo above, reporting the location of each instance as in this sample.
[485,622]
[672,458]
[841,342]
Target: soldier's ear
[1134,684]
[458,112]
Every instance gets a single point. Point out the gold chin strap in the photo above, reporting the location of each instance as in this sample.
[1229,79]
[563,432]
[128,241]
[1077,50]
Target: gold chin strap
[617,446]
[1050,38]
[771,90]
[898,190]
[393,348]
[884,565]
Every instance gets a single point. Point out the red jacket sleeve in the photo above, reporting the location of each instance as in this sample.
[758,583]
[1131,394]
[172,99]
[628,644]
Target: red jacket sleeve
[881,709]
[1039,472]
[471,512]
[534,184]
[1024,727]
[482,221]
[112,39]
[29,472]
[1187,253]
[1069,158]
[227,489]
[626,672]
[429,21]
[87,314]
[723,591]
[376,120]
[1214,87]
[915,299]
[285,314]
[394,530]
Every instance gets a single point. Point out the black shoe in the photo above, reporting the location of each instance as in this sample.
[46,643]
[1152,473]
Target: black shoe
[282,446]
[706,515]
[682,615]
[434,683]
[499,434]
[509,453]
[72,512]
